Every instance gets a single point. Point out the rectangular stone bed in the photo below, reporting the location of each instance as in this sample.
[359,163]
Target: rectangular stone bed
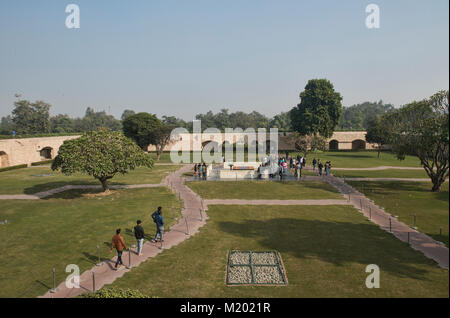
[255,268]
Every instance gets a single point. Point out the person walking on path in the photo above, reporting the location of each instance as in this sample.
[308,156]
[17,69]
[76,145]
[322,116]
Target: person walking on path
[300,168]
[314,163]
[195,170]
[159,221]
[200,170]
[328,168]
[320,166]
[139,234]
[205,170]
[119,244]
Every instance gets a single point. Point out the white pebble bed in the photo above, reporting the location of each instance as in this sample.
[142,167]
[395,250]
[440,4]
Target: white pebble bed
[267,275]
[264,258]
[239,275]
[240,258]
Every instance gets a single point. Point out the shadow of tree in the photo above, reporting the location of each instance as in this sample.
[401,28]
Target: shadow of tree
[338,243]
[70,194]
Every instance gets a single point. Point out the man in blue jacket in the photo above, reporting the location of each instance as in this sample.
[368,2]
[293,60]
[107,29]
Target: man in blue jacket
[159,220]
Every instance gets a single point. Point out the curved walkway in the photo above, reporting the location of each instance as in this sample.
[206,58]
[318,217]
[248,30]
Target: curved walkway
[193,218]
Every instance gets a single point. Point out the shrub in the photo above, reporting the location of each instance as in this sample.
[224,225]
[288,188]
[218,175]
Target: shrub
[116,293]
[13,168]
[40,163]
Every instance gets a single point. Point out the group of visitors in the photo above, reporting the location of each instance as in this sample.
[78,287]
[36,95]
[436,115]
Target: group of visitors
[200,171]
[321,167]
[118,241]
[299,164]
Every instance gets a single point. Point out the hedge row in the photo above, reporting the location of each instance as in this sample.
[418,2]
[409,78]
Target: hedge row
[39,135]
[40,163]
[13,168]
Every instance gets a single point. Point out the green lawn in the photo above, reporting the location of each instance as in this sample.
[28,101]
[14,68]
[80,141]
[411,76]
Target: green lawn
[342,159]
[360,159]
[165,157]
[325,251]
[388,173]
[37,179]
[66,229]
[264,190]
[405,199]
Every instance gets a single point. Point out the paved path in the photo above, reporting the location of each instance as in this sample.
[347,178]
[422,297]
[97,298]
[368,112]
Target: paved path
[419,241]
[190,223]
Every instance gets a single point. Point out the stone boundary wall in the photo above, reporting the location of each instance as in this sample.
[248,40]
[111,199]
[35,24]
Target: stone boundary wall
[28,150]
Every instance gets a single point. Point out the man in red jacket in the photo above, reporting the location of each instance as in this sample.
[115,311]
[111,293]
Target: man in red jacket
[119,244]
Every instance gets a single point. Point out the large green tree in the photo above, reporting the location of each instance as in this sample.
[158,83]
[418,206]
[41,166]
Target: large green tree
[319,109]
[376,133]
[101,154]
[31,118]
[422,129]
[141,128]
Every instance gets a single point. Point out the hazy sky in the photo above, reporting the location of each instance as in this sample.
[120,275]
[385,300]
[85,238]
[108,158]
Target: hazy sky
[189,56]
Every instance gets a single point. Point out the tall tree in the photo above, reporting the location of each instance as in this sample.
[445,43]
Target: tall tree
[376,133]
[127,113]
[422,129]
[161,138]
[6,125]
[319,109]
[141,128]
[31,118]
[101,154]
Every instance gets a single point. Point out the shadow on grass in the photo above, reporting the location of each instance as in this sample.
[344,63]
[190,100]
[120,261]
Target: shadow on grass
[338,243]
[387,187]
[37,188]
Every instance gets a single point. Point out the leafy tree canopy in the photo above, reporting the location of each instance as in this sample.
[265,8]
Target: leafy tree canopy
[141,128]
[422,129]
[319,109]
[101,154]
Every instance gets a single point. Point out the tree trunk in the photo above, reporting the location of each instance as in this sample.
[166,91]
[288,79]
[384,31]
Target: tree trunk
[379,151]
[105,185]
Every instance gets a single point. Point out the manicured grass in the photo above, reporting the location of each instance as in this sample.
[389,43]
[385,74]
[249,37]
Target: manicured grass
[360,159]
[325,251]
[37,179]
[165,157]
[66,229]
[342,159]
[388,173]
[264,190]
[405,199]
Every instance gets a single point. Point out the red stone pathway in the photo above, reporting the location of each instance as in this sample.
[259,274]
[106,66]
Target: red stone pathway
[419,241]
[104,274]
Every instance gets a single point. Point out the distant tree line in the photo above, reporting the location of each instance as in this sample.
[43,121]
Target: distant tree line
[29,118]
